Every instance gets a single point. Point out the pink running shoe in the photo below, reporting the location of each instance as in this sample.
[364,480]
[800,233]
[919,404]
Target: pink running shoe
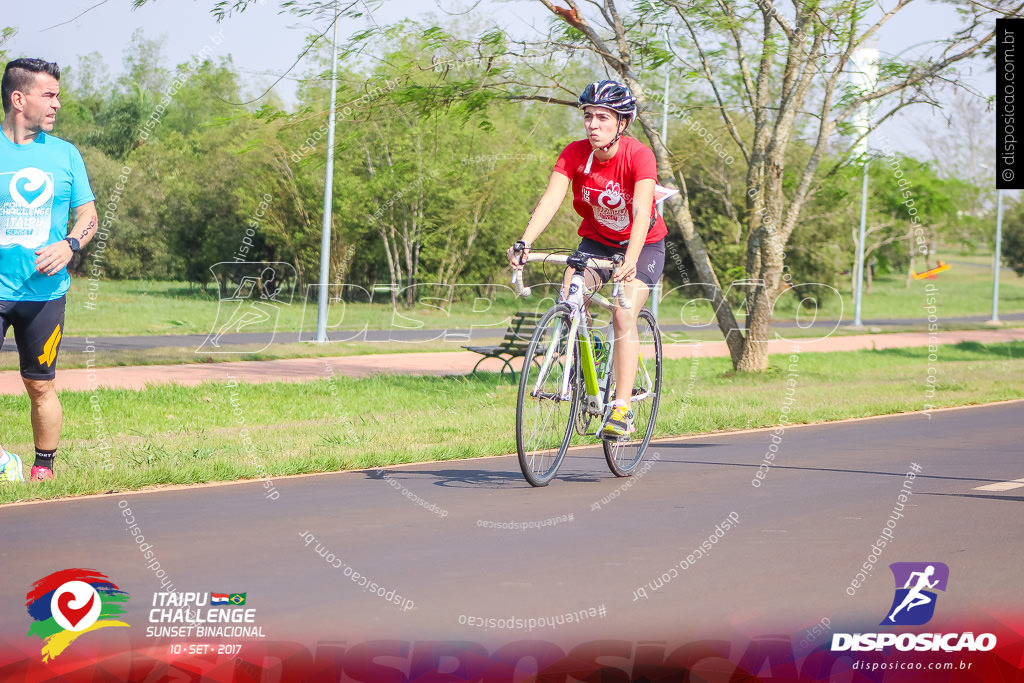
[40,473]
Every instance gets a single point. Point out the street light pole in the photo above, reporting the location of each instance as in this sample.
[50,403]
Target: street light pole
[858,294]
[999,240]
[656,294]
[664,112]
[325,230]
[865,59]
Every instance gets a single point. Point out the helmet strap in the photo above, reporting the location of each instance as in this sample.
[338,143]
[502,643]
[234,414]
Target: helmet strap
[618,134]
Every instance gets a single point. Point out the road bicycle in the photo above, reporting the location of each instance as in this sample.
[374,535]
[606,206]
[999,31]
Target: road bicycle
[567,383]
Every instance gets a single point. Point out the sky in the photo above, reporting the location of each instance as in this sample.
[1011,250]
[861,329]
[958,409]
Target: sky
[263,43]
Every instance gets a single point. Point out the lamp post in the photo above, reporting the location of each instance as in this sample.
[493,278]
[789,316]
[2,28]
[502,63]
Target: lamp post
[995,266]
[866,61]
[858,295]
[997,256]
[325,230]
[664,111]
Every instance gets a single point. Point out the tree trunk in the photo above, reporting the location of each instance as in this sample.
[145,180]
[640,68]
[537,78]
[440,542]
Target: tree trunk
[678,208]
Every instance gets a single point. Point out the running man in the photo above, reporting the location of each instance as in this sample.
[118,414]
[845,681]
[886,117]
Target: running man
[915,597]
[259,310]
[42,179]
[612,178]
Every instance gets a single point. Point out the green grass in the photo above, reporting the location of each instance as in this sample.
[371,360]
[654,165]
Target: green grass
[119,308]
[963,290]
[163,308]
[184,435]
[174,355]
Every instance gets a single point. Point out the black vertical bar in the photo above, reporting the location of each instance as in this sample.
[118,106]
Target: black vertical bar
[1009,135]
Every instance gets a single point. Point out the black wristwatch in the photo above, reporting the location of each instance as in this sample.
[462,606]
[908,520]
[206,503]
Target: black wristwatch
[73,243]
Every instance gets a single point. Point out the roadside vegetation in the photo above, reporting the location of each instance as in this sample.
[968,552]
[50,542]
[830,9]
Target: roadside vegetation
[119,440]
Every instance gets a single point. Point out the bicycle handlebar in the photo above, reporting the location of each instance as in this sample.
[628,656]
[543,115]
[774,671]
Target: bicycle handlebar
[618,292]
[517,283]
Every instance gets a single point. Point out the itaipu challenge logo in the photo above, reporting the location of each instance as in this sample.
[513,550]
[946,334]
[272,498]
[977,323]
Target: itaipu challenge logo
[914,603]
[71,603]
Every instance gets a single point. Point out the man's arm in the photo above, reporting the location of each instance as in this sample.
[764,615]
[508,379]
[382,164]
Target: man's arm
[52,258]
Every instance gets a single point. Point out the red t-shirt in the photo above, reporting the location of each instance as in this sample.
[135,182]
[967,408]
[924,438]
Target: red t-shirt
[604,197]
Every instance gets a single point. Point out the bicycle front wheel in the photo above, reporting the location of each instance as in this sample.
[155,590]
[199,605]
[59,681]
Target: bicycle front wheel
[625,456]
[544,415]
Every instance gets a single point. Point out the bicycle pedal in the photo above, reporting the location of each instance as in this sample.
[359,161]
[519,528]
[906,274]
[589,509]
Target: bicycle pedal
[615,438]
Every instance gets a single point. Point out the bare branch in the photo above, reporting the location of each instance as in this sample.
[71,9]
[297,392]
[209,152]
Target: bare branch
[77,16]
[730,124]
[577,21]
[769,10]
[620,32]
[741,54]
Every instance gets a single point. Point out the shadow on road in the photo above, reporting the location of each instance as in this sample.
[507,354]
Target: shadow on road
[576,468]
[755,465]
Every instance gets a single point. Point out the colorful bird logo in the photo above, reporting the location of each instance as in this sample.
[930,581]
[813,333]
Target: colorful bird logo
[70,603]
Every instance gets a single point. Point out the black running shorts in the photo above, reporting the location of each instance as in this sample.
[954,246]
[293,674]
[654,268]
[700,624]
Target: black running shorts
[648,266]
[38,327]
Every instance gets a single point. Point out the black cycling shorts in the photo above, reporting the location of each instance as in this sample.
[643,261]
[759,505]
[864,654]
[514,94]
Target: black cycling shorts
[648,266]
[38,327]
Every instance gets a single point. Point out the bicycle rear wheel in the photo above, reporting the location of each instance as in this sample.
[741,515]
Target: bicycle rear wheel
[626,455]
[545,418]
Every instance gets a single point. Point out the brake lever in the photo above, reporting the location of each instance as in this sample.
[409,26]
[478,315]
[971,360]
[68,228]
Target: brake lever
[618,291]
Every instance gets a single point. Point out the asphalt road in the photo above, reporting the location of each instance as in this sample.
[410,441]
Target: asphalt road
[430,536]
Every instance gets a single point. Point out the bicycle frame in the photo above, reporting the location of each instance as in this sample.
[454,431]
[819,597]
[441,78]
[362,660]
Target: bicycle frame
[563,386]
[576,299]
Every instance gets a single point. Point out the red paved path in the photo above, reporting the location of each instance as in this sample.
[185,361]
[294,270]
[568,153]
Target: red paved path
[439,363]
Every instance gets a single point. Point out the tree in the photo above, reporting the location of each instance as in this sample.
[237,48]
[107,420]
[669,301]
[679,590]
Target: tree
[786,63]
[1013,238]
[6,33]
[773,75]
[419,195]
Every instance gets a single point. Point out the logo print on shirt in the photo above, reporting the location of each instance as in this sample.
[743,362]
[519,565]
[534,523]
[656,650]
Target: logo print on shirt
[37,184]
[611,210]
[26,205]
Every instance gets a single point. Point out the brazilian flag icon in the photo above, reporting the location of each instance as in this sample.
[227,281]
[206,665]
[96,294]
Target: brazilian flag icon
[237,598]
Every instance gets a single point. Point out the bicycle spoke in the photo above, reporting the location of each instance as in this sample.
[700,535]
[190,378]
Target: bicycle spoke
[544,422]
[625,455]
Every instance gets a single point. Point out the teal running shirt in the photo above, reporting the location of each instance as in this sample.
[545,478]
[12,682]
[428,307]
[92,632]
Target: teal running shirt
[40,183]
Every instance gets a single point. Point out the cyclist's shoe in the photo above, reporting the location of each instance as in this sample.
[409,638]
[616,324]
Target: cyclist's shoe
[10,467]
[40,473]
[620,422]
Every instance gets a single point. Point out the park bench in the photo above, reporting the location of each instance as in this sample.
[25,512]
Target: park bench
[517,338]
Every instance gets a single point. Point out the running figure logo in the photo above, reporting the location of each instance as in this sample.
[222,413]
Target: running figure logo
[914,603]
[252,294]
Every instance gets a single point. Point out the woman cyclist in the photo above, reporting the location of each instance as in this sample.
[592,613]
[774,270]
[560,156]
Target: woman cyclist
[613,178]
